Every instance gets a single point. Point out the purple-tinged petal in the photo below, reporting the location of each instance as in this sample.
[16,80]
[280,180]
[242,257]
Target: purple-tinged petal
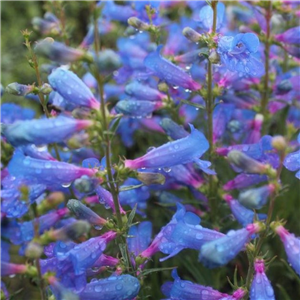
[167,71]
[72,88]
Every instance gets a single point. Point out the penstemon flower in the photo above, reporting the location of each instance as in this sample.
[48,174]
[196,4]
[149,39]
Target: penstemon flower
[181,151]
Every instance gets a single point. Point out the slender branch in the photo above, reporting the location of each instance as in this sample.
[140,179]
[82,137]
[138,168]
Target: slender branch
[265,92]
[111,183]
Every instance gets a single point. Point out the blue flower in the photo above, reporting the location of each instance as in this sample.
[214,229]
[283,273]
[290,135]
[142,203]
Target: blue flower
[182,151]
[186,290]
[220,251]
[123,287]
[72,88]
[261,287]
[243,180]
[243,215]
[43,131]
[144,92]
[172,129]
[139,237]
[50,173]
[206,16]
[115,12]
[167,71]
[292,161]
[291,36]
[239,54]
[137,108]
[19,113]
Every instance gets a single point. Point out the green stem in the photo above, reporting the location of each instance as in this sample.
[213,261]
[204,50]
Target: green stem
[209,110]
[265,92]
[111,183]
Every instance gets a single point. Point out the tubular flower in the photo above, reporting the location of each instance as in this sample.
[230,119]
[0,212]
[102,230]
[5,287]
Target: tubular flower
[291,36]
[167,71]
[220,251]
[242,181]
[239,54]
[72,88]
[43,131]
[142,91]
[291,245]
[172,129]
[12,269]
[137,108]
[292,161]
[243,215]
[261,287]
[123,287]
[50,173]
[182,151]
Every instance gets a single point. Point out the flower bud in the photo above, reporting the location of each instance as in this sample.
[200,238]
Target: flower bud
[191,34]
[108,61]
[279,143]
[214,57]
[11,269]
[83,212]
[72,231]
[138,24]
[46,89]
[34,250]
[19,89]
[151,178]
[246,163]
[59,52]
[256,198]
[163,87]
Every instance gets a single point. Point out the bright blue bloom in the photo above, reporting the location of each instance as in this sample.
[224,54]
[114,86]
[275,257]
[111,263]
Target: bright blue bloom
[243,215]
[72,88]
[243,180]
[19,113]
[206,16]
[261,287]
[291,36]
[239,54]
[186,290]
[137,108]
[137,196]
[43,131]
[292,161]
[139,237]
[220,251]
[167,71]
[172,129]
[256,198]
[141,91]
[115,12]
[85,254]
[182,151]
[50,173]
[123,287]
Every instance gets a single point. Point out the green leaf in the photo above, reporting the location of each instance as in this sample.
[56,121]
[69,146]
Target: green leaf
[193,104]
[124,254]
[131,216]
[146,272]
[115,125]
[130,187]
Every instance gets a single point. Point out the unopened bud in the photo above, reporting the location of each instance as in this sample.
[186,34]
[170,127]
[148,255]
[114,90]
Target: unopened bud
[214,57]
[108,61]
[83,212]
[138,24]
[246,163]
[279,143]
[46,89]
[284,87]
[191,34]
[151,178]
[72,231]
[34,250]
[19,89]
[163,87]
